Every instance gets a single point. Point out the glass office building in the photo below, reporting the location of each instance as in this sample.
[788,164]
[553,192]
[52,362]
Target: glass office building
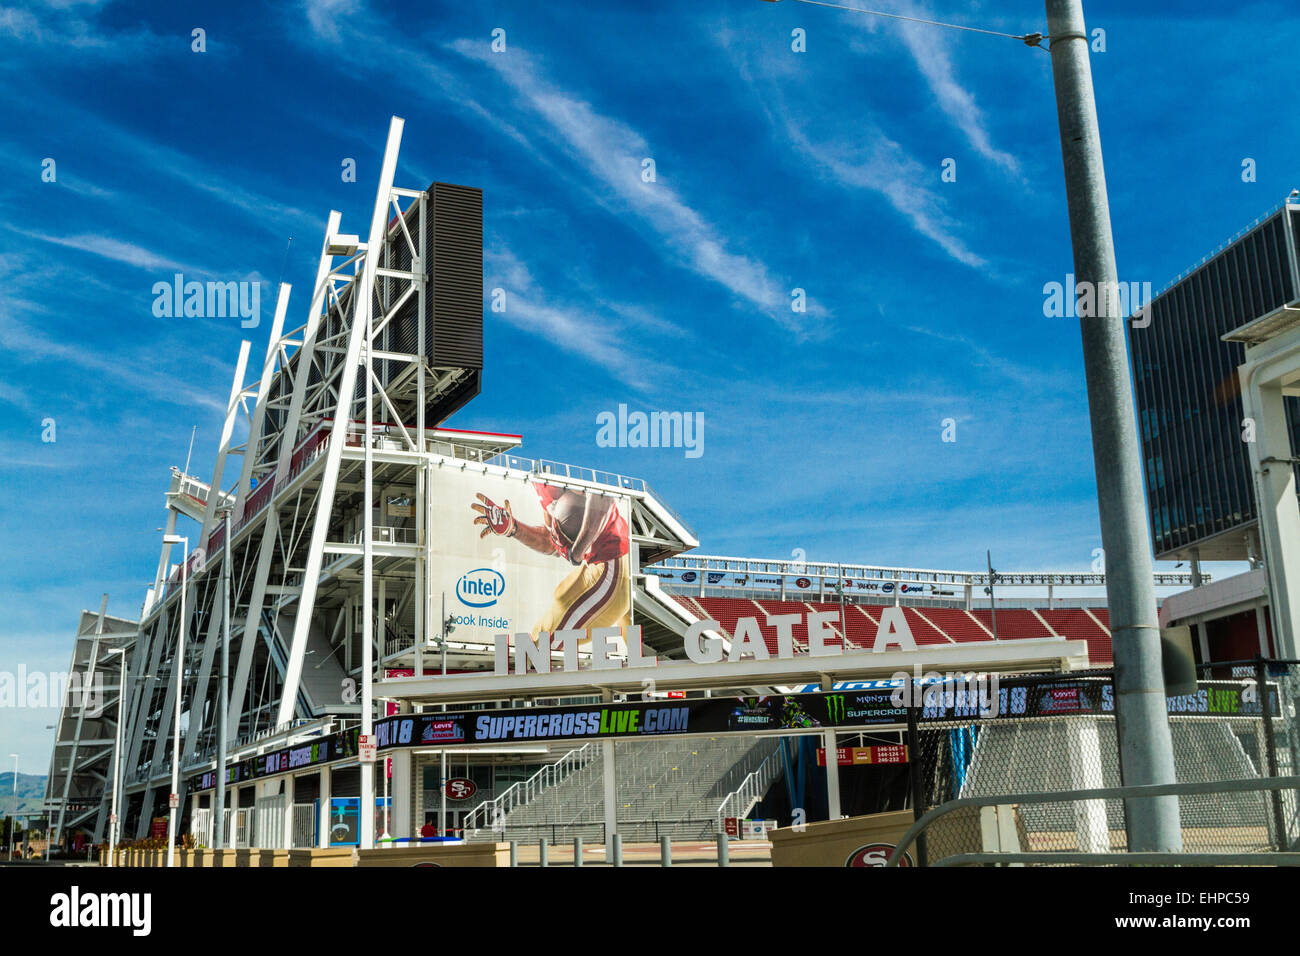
[1199,486]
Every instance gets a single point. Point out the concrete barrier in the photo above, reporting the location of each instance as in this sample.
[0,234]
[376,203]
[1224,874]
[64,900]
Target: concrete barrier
[868,840]
[855,841]
[464,854]
[334,856]
[274,858]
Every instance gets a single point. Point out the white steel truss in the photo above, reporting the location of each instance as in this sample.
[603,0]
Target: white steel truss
[297,515]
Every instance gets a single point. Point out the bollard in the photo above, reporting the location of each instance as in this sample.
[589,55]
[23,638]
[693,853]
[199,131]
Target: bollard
[577,851]
[618,849]
[514,853]
[665,852]
[541,852]
[724,858]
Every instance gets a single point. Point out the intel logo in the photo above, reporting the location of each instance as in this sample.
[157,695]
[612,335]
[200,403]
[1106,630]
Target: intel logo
[480,587]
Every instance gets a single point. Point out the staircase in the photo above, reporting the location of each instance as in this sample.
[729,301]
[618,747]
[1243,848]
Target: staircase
[664,787]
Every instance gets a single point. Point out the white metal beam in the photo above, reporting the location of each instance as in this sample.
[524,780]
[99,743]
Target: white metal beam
[302,359]
[342,415]
[1029,654]
[258,417]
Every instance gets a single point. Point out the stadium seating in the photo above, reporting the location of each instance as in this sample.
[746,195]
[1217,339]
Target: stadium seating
[1079,623]
[1013,623]
[930,625]
[957,624]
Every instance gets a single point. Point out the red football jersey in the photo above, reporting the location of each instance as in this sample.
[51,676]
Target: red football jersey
[570,512]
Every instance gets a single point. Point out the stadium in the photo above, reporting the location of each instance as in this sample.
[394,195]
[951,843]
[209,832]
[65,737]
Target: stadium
[367,628]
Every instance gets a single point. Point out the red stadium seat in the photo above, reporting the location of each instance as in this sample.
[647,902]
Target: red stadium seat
[930,625]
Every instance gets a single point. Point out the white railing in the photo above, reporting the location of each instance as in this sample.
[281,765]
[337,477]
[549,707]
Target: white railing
[751,790]
[398,639]
[385,534]
[268,823]
[201,827]
[542,468]
[240,821]
[305,818]
[491,813]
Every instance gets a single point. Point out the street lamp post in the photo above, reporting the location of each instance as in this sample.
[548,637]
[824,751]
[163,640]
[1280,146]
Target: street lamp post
[1145,743]
[117,753]
[442,774]
[13,820]
[1141,711]
[223,693]
[173,799]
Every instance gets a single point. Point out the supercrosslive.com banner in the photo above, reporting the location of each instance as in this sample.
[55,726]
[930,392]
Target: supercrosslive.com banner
[520,554]
[794,713]
[1015,699]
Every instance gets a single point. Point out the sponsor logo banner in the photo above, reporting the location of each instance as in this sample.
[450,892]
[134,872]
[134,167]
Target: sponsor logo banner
[518,555]
[874,707]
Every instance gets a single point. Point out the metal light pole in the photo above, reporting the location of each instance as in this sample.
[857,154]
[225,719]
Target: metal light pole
[442,775]
[173,799]
[367,835]
[13,820]
[993,603]
[384,763]
[223,692]
[117,753]
[1146,747]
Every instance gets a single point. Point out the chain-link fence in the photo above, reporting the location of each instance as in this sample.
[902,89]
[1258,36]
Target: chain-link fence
[1060,735]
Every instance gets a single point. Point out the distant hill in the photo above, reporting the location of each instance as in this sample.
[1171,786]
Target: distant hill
[30,796]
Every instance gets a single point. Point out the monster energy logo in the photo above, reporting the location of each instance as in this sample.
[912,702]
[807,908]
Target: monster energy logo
[835,708]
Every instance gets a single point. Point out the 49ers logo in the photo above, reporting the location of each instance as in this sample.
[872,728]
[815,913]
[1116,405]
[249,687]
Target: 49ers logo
[876,854]
[461,788]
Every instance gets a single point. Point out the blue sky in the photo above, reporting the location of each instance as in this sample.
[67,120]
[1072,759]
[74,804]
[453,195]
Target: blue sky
[775,170]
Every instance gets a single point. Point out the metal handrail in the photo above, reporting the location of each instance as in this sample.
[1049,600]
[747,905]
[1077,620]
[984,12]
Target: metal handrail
[751,789]
[543,467]
[1094,793]
[384,534]
[525,791]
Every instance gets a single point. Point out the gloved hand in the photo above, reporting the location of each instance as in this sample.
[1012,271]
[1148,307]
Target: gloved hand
[494,518]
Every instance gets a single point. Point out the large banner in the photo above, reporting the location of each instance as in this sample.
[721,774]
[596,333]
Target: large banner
[1014,699]
[518,554]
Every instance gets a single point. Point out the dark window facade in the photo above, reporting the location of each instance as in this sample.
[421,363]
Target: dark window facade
[1196,463]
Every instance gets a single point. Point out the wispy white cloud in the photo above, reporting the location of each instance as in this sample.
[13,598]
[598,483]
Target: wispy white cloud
[65,28]
[587,331]
[607,151]
[866,158]
[11,394]
[277,217]
[930,47]
[106,247]
[1039,380]
[326,16]
[611,153]
[876,163]
[25,344]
